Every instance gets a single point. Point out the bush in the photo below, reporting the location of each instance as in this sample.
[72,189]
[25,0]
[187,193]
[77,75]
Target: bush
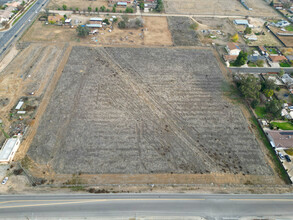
[254,103]
[64,7]
[129,10]
[82,31]
[122,25]
[106,21]
[103,8]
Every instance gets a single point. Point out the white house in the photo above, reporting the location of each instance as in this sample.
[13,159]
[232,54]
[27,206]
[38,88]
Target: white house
[233,49]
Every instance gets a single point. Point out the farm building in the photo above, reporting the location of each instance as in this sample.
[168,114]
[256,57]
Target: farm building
[96,20]
[9,149]
[241,22]
[94,25]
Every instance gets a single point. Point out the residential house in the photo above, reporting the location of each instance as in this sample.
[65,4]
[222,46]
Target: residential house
[233,49]
[288,80]
[277,58]
[281,24]
[263,50]
[280,139]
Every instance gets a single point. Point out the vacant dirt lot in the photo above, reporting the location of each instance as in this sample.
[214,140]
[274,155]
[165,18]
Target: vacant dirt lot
[30,71]
[182,33]
[143,111]
[219,7]
[80,4]
[287,40]
[155,32]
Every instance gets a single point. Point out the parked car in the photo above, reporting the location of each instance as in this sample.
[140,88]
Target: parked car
[5,180]
[287,158]
[281,156]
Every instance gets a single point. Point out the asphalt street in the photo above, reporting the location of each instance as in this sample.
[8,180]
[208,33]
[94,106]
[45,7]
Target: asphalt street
[146,205]
[9,36]
[259,69]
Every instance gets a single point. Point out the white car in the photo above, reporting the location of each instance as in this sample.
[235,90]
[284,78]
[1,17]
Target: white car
[5,180]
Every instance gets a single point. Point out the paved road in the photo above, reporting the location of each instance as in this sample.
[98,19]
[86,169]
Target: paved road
[8,37]
[139,205]
[259,70]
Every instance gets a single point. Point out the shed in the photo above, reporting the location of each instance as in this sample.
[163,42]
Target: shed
[9,149]
[96,19]
[18,106]
[124,4]
[241,22]
[94,25]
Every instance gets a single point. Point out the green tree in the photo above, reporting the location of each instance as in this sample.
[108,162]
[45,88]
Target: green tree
[129,10]
[64,7]
[89,9]
[76,9]
[249,87]
[274,108]
[103,8]
[114,9]
[247,30]
[97,9]
[106,21]
[268,84]
[159,7]
[268,93]
[241,59]
[115,20]
[122,25]
[82,31]
[254,103]
[141,6]
[281,73]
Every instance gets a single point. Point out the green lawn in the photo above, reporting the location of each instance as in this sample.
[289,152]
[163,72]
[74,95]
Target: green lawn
[260,111]
[289,151]
[251,64]
[289,28]
[272,50]
[284,64]
[283,125]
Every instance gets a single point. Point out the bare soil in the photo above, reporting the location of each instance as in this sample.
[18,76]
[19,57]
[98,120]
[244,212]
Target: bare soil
[154,32]
[131,112]
[182,32]
[220,7]
[80,4]
[287,40]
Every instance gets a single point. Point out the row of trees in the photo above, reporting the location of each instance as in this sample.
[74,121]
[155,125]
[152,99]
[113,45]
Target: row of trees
[250,87]
[101,9]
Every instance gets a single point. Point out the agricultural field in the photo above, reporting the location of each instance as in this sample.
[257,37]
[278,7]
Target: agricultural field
[144,111]
[80,4]
[219,7]
[182,32]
